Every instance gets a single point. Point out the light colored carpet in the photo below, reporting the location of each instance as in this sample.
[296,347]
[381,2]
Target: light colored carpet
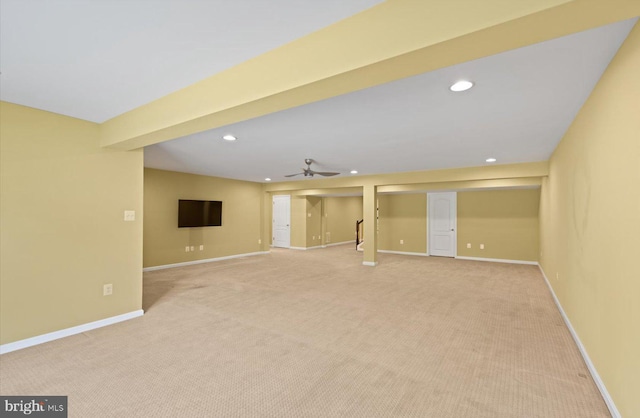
[316,334]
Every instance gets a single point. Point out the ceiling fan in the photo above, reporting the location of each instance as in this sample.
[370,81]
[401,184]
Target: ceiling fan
[308,172]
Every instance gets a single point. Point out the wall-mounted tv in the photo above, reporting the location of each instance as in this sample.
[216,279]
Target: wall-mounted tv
[194,213]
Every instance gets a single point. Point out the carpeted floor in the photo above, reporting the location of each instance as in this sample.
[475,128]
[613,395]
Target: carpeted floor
[316,334]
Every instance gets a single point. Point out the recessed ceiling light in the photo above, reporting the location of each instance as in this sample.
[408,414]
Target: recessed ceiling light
[267,179]
[229,137]
[491,160]
[461,85]
[354,171]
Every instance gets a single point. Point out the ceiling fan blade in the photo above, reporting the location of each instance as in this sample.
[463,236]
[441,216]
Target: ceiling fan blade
[308,172]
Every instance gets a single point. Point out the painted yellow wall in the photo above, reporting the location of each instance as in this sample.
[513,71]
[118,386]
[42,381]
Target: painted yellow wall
[403,217]
[590,226]
[63,234]
[314,221]
[505,221]
[341,214]
[306,221]
[299,221]
[164,242]
[384,217]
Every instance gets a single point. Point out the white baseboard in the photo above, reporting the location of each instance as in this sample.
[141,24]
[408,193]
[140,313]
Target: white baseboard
[498,260]
[370,263]
[44,338]
[333,244]
[403,253]
[322,246]
[206,260]
[592,369]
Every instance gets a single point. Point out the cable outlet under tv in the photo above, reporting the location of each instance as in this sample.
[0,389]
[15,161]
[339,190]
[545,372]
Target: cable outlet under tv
[107,289]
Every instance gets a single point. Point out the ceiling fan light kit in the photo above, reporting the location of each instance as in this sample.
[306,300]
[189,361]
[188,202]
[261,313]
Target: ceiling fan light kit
[308,172]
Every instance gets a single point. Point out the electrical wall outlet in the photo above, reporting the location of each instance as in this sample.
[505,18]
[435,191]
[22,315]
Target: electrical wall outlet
[401,242]
[107,289]
[129,215]
[186,249]
[192,248]
[309,215]
[259,241]
[468,245]
[482,246]
[201,247]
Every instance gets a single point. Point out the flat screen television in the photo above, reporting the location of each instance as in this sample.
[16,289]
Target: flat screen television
[195,213]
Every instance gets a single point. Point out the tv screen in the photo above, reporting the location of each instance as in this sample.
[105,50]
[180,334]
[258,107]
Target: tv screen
[194,213]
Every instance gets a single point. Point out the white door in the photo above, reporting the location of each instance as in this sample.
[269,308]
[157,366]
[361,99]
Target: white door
[442,224]
[281,221]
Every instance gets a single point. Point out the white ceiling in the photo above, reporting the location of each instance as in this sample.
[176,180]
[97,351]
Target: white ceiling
[522,104]
[96,59]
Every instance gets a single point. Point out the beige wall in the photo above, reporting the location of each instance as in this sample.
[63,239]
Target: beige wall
[306,221]
[317,221]
[403,217]
[505,221]
[314,221]
[299,221]
[590,226]
[63,234]
[340,215]
[164,242]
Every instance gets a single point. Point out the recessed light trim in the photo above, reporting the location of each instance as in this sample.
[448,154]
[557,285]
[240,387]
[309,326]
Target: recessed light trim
[461,85]
[491,160]
[229,137]
[267,179]
[354,171]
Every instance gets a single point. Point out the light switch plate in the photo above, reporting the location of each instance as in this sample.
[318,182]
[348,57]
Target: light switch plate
[129,215]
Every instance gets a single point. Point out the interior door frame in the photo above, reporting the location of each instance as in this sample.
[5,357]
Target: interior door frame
[430,196]
[273,215]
